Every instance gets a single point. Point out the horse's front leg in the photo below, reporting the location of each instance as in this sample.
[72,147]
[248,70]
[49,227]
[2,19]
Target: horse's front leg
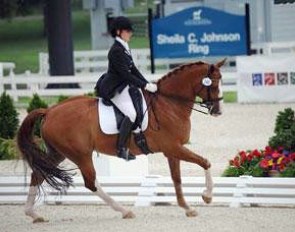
[174,165]
[182,153]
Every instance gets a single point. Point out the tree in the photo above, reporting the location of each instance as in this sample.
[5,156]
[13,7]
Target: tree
[11,8]
[8,8]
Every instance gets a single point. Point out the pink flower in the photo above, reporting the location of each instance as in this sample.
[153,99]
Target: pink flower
[263,163]
[275,155]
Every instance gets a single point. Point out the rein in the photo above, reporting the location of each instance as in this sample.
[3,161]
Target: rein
[185,100]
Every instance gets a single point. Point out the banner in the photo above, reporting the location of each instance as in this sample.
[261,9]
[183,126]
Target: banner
[266,78]
[199,31]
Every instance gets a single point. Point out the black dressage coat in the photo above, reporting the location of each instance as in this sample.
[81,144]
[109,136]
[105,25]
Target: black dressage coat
[121,72]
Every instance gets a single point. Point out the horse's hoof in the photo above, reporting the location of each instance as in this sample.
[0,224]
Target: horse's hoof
[191,213]
[207,199]
[129,215]
[40,220]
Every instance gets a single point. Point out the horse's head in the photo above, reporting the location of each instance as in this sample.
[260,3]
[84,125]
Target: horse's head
[186,82]
[208,88]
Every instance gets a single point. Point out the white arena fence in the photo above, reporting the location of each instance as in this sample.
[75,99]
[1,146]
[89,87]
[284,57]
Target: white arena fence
[27,85]
[89,65]
[158,190]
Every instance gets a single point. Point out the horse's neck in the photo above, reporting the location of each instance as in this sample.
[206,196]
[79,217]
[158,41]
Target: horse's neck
[176,87]
[176,97]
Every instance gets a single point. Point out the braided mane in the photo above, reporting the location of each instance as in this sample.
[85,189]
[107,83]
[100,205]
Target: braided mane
[179,68]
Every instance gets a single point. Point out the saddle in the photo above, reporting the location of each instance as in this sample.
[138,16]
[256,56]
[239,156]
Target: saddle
[110,118]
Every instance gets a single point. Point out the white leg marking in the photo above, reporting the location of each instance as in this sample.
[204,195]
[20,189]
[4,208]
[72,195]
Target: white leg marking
[110,201]
[208,183]
[29,206]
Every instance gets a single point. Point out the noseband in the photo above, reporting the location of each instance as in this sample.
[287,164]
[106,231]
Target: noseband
[207,83]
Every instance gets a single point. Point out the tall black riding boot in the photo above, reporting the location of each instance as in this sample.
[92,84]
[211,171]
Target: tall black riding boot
[125,130]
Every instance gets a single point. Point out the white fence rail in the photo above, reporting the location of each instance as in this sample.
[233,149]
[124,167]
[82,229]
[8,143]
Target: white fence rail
[7,66]
[31,84]
[94,61]
[154,190]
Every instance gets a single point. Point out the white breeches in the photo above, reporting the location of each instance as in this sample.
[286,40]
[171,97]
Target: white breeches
[124,103]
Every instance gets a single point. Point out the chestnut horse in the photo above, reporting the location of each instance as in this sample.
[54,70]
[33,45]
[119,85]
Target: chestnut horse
[71,130]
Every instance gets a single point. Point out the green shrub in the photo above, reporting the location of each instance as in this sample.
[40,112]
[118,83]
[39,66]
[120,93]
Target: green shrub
[36,103]
[284,131]
[8,127]
[8,117]
[90,94]
[62,98]
[8,149]
[289,170]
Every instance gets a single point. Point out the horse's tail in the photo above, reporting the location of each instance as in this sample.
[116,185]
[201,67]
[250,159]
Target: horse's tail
[39,160]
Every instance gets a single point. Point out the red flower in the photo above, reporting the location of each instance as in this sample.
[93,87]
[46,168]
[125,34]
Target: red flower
[256,153]
[281,167]
[243,156]
[236,162]
[250,157]
[264,163]
[268,150]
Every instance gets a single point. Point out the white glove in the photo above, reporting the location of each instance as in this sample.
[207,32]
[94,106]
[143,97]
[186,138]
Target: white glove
[151,87]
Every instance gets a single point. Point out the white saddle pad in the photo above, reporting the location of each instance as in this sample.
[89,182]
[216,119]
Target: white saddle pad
[107,118]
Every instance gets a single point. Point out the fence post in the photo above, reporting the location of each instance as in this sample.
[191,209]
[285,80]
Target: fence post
[147,191]
[14,91]
[1,70]
[238,192]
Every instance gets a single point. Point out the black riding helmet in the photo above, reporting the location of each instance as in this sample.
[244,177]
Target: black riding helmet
[120,23]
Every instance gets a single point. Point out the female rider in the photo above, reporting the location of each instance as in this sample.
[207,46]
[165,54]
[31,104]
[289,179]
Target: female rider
[123,74]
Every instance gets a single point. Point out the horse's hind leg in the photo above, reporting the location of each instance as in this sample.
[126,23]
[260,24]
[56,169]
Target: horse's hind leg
[91,183]
[174,165]
[31,198]
[36,181]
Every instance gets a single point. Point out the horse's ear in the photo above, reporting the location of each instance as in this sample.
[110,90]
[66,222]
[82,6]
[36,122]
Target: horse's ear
[221,63]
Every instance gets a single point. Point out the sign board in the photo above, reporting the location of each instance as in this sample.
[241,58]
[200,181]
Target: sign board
[266,78]
[199,31]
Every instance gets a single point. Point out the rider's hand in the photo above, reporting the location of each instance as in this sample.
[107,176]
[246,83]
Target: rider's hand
[151,87]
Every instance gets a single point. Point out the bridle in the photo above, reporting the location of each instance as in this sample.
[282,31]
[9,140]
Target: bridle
[206,84]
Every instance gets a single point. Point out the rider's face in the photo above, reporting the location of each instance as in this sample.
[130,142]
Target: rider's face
[126,35]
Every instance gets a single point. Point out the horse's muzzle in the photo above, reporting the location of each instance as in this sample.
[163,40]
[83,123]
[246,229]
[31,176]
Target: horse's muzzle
[215,109]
